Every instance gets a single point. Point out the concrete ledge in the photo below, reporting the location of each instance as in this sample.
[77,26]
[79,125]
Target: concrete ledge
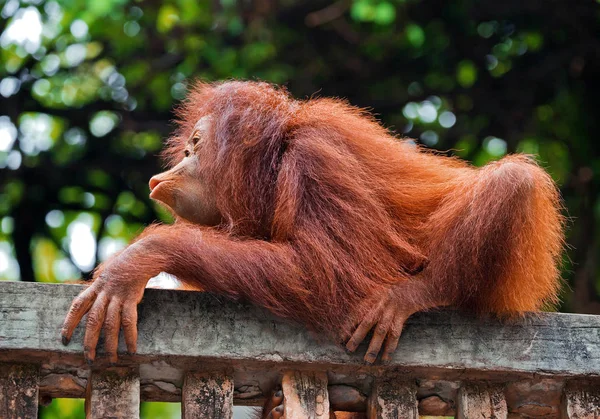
[181,330]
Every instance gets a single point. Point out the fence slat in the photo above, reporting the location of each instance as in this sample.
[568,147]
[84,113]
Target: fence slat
[393,399]
[581,401]
[113,393]
[305,395]
[19,391]
[481,401]
[207,395]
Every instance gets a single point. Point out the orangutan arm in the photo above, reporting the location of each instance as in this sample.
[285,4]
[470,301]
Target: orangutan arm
[197,256]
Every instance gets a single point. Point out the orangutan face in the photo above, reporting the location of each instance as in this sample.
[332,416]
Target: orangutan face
[183,189]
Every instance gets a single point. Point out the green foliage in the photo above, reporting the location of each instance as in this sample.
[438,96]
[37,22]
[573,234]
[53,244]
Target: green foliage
[64,409]
[88,87]
[415,35]
[156,410]
[466,73]
[75,409]
[381,13]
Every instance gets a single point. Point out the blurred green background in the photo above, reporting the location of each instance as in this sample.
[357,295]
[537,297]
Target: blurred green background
[87,90]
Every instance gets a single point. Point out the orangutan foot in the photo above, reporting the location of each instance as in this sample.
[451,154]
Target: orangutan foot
[387,319]
[274,405]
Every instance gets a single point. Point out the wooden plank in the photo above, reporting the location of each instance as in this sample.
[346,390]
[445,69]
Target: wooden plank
[305,395]
[180,325]
[393,399]
[113,393]
[19,391]
[207,395]
[481,401]
[581,401]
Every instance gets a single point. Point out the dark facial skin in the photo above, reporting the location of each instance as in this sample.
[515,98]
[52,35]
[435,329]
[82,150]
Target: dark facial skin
[183,189]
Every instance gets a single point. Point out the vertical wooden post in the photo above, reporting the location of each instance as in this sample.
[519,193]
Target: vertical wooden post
[19,388]
[113,393]
[393,399]
[207,395]
[305,395]
[581,401]
[481,401]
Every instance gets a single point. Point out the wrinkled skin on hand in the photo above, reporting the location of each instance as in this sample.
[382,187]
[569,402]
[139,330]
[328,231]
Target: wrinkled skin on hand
[388,316]
[387,320]
[118,287]
[110,303]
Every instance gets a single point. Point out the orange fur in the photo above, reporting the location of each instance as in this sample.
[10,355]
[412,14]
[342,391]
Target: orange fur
[324,210]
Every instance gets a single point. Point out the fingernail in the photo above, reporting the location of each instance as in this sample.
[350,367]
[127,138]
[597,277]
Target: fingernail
[65,340]
[279,409]
[278,394]
[370,358]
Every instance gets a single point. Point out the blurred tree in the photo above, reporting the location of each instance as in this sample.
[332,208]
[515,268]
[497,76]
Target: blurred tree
[88,86]
[87,90]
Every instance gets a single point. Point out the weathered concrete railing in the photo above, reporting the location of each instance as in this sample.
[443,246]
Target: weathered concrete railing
[211,353]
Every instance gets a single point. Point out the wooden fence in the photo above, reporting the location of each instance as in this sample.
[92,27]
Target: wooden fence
[210,354]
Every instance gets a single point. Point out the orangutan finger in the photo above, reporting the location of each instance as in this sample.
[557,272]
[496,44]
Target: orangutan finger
[81,305]
[381,331]
[275,400]
[278,398]
[277,413]
[93,326]
[363,329]
[393,337]
[129,324]
[112,325]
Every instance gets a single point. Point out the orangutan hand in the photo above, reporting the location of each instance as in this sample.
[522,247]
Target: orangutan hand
[388,317]
[111,301]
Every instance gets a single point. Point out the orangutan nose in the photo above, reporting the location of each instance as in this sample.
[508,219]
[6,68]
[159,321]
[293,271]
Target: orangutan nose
[154,181]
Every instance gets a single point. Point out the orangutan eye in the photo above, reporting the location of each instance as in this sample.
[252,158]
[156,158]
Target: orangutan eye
[186,153]
[196,138]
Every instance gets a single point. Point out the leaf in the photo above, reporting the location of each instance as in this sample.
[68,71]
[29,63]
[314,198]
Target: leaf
[362,11]
[534,40]
[466,73]
[415,35]
[167,18]
[385,13]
